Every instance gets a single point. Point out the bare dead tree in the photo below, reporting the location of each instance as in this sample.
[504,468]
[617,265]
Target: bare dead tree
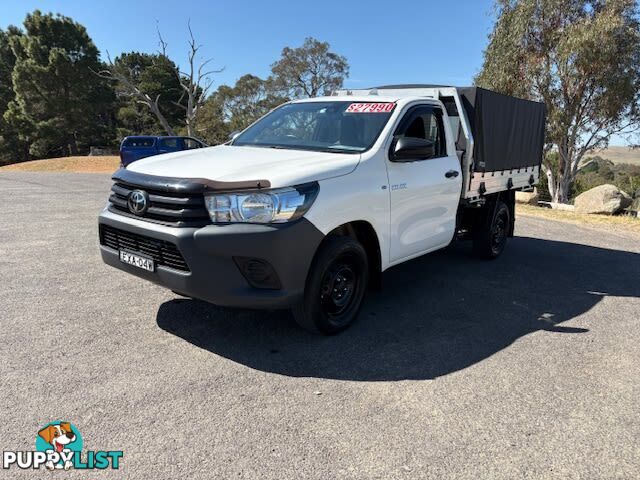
[129,89]
[196,82]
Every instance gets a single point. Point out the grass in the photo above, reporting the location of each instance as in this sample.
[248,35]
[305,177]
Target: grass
[609,222]
[106,164]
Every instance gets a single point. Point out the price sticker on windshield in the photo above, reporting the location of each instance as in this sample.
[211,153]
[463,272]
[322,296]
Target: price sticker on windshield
[385,107]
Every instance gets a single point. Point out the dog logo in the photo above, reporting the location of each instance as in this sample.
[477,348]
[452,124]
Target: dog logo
[59,446]
[64,439]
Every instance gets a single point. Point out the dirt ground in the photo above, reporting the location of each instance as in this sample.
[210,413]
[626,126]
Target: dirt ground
[612,223]
[106,164]
[458,368]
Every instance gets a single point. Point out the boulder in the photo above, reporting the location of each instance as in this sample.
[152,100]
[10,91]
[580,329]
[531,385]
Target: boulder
[565,207]
[605,199]
[635,205]
[530,198]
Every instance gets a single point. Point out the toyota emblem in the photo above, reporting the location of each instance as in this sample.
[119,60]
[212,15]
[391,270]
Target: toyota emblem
[138,202]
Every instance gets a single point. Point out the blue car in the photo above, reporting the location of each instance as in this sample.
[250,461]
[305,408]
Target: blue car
[136,147]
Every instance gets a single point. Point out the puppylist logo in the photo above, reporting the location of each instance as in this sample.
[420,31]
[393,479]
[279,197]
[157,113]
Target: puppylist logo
[59,446]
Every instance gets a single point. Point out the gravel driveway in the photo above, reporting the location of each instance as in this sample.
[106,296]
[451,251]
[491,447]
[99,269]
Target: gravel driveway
[525,367]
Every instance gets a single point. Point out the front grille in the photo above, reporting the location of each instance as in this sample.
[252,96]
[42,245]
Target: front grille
[168,208]
[163,252]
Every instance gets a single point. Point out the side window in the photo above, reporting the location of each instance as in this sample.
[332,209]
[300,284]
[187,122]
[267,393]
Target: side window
[190,143]
[171,143]
[424,122]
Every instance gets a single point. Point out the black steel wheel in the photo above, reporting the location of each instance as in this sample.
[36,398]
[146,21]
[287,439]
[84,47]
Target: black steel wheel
[490,239]
[335,287]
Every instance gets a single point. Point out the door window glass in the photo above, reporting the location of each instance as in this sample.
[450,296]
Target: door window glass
[169,143]
[190,143]
[425,123]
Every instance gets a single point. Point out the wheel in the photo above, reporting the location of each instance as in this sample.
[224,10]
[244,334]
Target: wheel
[336,285]
[490,239]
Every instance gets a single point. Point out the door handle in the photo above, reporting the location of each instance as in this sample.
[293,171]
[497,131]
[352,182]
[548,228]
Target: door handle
[451,174]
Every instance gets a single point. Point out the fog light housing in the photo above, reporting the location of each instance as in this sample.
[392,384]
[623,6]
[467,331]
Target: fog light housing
[258,272]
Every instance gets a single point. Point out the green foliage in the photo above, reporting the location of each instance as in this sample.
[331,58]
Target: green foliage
[59,106]
[582,59]
[248,100]
[154,75]
[211,126]
[11,148]
[234,108]
[598,171]
[308,71]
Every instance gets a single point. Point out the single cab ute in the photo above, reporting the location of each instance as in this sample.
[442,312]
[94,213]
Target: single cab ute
[308,206]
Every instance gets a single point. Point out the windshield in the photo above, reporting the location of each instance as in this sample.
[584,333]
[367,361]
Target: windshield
[349,127]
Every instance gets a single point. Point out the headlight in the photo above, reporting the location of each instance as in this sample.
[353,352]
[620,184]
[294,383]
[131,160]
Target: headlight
[264,206]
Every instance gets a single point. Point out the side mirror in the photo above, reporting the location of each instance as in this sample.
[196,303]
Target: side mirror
[407,149]
[233,135]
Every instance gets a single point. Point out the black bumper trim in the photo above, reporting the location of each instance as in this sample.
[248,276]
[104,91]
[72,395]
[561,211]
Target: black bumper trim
[209,251]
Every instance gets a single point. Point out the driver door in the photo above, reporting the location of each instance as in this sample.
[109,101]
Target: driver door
[424,191]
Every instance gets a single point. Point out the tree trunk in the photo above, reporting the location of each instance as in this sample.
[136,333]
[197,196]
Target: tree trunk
[562,193]
[73,145]
[163,121]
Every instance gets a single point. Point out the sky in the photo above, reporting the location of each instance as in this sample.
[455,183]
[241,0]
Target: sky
[419,41]
[428,41]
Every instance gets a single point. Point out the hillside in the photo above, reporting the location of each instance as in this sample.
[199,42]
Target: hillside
[619,155]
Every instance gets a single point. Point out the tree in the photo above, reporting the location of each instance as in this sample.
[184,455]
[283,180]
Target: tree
[235,108]
[248,100]
[582,59]
[212,127]
[195,82]
[149,91]
[11,148]
[146,79]
[59,106]
[308,71]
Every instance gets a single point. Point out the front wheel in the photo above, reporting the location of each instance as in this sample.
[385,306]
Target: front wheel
[335,288]
[490,239]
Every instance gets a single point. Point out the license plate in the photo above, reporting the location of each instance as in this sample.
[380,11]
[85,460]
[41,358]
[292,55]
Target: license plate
[137,261]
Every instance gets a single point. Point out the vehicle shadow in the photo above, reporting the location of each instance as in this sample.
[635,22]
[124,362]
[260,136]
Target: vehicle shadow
[435,315]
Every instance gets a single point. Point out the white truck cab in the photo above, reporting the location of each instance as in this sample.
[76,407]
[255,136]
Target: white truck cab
[309,205]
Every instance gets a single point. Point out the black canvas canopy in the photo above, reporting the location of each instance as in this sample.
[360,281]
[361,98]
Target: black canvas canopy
[508,132]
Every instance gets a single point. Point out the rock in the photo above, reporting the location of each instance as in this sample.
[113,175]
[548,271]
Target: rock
[635,205]
[605,199]
[565,207]
[627,200]
[530,198]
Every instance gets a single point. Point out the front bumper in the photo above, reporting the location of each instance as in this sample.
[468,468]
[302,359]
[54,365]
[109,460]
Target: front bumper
[209,252]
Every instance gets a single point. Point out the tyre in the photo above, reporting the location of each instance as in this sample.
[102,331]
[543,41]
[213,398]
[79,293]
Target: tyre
[490,238]
[336,286]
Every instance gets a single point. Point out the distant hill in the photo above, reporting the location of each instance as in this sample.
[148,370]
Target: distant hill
[619,155]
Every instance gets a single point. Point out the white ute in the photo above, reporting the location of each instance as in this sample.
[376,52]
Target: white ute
[309,205]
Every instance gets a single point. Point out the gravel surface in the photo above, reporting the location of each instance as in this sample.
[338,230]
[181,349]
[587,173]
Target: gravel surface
[524,367]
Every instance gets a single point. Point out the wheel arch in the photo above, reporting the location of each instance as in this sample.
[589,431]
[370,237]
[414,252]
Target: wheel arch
[365,233]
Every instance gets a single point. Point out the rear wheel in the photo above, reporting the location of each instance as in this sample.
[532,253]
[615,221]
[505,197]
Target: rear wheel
[490,239]
[335,287]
